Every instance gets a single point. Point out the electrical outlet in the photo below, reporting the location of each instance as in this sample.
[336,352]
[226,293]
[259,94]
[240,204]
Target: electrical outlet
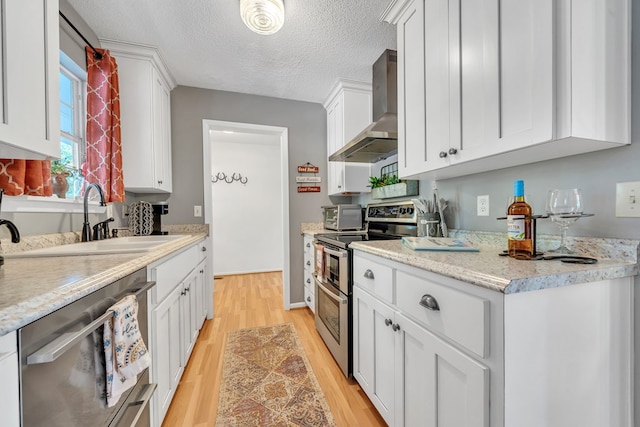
[109,210]
[628,199]
[483,205]
[197,210]
[125,210]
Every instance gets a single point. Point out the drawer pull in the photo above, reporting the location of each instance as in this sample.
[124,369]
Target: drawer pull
[308,262]
[429,302]
[388,322]
[369,274]
[395,327]
[308,281]
[308,299]
[308,245]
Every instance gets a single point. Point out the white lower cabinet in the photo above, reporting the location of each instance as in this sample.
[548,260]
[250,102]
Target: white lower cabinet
[414,378]
[309,266]
[9,392]
[433,351]
[177,310]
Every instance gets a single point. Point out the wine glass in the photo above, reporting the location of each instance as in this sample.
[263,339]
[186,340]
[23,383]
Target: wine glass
[564,208]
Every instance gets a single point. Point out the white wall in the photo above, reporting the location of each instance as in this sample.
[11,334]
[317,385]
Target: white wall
[247,218]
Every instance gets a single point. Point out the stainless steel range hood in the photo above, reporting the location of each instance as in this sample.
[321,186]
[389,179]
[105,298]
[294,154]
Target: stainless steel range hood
[380,139]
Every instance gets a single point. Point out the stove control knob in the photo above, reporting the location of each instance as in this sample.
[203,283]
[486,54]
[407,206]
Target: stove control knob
[410,211]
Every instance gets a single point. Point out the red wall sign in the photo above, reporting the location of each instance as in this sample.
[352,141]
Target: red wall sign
[308,169]
[308,189]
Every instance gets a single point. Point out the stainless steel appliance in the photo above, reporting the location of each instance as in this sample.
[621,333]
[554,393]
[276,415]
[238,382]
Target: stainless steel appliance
[334,279]
[343,217]
[62,364]
[159,209]
[380,139]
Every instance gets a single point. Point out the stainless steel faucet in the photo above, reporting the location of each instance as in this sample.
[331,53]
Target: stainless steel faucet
[86,227]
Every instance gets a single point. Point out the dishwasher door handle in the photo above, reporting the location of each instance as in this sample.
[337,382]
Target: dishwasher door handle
[64,342]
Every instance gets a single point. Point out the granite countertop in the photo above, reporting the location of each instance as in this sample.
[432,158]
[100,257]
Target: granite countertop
[617,258]
[31,288]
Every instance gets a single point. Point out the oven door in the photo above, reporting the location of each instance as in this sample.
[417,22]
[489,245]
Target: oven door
[332,322]
[336,268]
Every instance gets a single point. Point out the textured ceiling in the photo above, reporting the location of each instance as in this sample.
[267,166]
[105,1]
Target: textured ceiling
[205,43]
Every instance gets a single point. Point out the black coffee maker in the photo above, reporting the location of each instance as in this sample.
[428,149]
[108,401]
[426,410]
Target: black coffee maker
[159,209]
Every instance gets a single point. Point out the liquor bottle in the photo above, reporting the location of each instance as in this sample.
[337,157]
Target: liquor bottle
[519,225]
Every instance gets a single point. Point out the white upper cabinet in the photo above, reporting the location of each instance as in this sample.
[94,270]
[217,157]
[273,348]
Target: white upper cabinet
[486,85]
[348,113]
[145,117]
[29,81]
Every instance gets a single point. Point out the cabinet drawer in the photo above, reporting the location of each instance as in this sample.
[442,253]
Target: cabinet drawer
[461,317]
[309,298]
[308,280]
[375,278]
[8,344]
[171,272]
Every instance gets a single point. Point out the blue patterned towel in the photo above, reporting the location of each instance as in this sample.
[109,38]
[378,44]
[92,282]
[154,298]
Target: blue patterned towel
[125,353]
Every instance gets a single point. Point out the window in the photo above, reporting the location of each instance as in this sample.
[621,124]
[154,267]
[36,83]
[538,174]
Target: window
[72,121]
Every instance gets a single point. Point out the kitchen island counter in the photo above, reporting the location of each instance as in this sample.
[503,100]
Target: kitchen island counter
[31,288]
[617,258]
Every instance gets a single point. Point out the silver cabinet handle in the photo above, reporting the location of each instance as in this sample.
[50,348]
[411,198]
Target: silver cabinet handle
[308,299]
[453,151]
[142,402]
[395,327]
[429,302]
[204,249]
[64,342]
[308,245]
[388,322]
[309,281]
[308,262]
[443,154]
[369,274]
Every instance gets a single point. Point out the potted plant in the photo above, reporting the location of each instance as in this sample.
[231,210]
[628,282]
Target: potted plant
[388,186]
[60,171]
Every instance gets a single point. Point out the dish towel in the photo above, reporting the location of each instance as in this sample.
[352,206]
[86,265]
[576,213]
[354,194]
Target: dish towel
[124,350]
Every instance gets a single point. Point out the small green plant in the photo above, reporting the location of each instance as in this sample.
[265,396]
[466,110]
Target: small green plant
[375,182]
[60,168]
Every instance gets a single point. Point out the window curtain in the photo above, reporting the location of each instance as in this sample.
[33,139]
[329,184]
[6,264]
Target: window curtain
[104,155]
[21,177]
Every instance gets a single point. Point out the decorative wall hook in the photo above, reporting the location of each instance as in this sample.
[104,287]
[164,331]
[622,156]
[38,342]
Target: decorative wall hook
[221,176]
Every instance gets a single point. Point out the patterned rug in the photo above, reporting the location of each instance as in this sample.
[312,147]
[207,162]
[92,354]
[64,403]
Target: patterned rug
[267,381]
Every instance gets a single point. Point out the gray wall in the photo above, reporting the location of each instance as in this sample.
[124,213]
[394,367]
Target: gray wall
[306,123]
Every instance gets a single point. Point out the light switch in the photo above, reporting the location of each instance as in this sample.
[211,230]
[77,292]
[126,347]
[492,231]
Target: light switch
[197,210]
[628,199]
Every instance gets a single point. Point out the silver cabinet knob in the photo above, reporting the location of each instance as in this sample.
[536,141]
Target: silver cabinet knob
[395,327]
[388,322]
[453,151]
[159,181]
[443,154]
[204,249]
[429,302]
[369,274]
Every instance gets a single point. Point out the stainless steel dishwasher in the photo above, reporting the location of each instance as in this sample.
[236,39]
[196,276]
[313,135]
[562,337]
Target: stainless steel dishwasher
[62,363]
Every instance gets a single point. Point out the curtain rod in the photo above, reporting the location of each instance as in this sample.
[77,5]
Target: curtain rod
[97,55]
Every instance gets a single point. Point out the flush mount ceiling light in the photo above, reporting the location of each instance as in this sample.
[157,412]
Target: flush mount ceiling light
[262,16]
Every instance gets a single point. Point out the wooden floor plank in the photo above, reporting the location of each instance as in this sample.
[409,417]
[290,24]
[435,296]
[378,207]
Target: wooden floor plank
[249,300]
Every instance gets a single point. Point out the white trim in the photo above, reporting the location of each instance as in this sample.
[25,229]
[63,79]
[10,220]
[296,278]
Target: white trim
[48,205]
[208,125]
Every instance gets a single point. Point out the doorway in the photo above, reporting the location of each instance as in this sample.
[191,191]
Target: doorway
[244,212]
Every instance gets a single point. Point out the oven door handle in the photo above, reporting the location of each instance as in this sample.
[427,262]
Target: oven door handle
[339,254]
[64,342]
[142,402]
[330,294]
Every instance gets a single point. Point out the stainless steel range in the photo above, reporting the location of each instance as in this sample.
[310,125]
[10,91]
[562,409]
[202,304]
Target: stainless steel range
[334,279]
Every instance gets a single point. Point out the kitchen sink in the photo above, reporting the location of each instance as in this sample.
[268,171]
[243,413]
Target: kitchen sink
[120,245]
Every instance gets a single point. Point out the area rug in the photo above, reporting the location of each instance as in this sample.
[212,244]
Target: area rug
[267,381]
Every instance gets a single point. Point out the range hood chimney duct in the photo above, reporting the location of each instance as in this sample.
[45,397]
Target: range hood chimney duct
[380,139]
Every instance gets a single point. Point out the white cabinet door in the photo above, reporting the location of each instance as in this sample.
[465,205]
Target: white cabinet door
[436,384]
[348,113]
[201,292]
[29,80]
[9,371]
[167,360]
[373,351]
[162,133]
[189,315]
[145,109]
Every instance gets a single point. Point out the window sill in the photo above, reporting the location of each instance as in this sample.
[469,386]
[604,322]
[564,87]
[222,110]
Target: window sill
[49,205]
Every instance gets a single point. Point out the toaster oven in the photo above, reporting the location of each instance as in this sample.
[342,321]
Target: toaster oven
[343,217]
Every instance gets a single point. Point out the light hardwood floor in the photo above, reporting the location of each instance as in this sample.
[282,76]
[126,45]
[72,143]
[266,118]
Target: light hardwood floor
[249,300]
